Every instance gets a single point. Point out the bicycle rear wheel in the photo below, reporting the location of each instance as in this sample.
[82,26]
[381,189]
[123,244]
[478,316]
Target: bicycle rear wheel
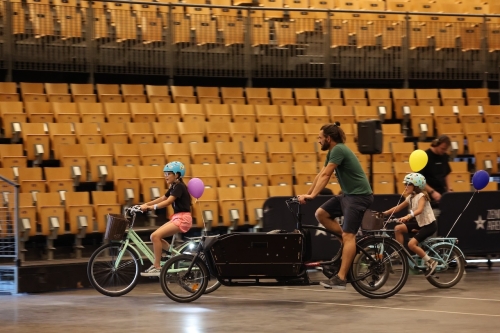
[109,277]
[179,284]
[382,271]
[449,273]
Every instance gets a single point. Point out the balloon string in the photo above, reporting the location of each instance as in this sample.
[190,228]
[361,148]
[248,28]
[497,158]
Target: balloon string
[399,201]
[461,213]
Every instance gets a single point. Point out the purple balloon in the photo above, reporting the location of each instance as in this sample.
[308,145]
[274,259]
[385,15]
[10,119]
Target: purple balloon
[480,179]
[196,187]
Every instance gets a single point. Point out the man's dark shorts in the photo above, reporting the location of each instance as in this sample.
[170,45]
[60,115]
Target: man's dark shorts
[423,232]
[352,207]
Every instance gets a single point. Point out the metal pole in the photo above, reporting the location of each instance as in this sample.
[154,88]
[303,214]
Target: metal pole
[327,40]
[406,53]
[170,46]
[484,51]
[248,49]
[9,41]
[89,36]
[16,237]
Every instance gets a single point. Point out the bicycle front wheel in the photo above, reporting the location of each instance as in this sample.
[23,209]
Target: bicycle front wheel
[181,284]
[450,268]
[381,271]
[213,283]
[109,277]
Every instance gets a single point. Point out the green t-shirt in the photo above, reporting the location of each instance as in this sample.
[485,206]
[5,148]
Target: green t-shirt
[351,176]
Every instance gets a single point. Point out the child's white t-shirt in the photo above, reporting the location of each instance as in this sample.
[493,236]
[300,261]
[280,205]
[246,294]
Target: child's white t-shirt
[427,215]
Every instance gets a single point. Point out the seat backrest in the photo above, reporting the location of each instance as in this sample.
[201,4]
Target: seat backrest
[97,149]
[112,128]
[86,128]
[182,90]
[104,89]
[76,198]
[229,193]
[48,199]
[207,91]
[57,173]
[255,192]
[90,108]
[132,89]
[157,90]
[82,88]
[104,197]
[30,173]
[150,171]
[125,172]
[127,149]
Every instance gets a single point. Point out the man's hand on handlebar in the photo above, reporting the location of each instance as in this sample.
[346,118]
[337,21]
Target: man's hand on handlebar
[303,198]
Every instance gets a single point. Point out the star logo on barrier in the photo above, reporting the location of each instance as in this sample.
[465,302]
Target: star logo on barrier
[480,222]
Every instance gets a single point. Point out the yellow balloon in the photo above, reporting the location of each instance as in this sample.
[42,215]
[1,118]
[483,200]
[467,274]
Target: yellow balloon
[418,160]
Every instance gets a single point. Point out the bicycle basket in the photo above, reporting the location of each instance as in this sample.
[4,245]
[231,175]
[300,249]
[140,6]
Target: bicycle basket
[372,220]
[117,224]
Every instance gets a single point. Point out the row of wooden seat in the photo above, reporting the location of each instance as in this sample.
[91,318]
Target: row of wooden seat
[84,93]
[153,22]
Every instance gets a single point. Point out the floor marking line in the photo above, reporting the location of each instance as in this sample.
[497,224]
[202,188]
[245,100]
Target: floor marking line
[358,306]
[399,295]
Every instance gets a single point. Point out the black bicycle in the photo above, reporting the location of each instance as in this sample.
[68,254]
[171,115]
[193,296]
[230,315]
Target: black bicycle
[283,259]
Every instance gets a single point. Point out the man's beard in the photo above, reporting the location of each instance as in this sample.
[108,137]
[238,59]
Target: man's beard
[325,146]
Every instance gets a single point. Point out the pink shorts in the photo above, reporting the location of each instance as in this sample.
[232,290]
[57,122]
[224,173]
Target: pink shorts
[183,220]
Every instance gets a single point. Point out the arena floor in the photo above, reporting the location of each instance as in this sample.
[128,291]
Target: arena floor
[471,306]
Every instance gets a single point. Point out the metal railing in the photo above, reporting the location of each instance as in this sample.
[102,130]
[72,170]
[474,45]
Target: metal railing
[9,236]
[146,38]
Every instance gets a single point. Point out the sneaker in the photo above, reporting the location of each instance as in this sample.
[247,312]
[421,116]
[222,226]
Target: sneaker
[431,267]
[334,282]
[151,271]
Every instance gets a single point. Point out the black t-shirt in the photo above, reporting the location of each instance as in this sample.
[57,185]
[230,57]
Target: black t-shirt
[436,170]
[182,202]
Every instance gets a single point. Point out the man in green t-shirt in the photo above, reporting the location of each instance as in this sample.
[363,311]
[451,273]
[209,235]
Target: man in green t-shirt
[355,199]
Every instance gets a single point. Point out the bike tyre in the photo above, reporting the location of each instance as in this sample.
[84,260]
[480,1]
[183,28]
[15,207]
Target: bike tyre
[213,283]
[164,278]
[405,265]
[460,261]
[134,278]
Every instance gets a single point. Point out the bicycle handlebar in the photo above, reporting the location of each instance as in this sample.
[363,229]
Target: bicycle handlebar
[133,210]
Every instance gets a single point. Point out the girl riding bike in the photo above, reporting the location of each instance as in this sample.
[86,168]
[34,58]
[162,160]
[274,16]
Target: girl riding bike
[420,218]
[181,221]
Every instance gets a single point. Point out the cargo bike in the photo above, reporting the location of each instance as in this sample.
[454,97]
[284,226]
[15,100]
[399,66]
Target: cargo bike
[282,259]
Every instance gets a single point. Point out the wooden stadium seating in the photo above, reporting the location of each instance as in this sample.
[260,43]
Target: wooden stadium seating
[48,207]
[445,115]
[257,96]
[229,175]
[39,112]
[27,210]
[191,131]
[229,152]
[317,114]
[140,132]
[203,153]
[117,112]
[77,206]
[183,94]
[427,97]
[329,97]
[402,98]
[421,115]
[158,94]
[255,174]
[469,114]
[167,112]
[392,133]
[88,133]
[455,132]
[31,180]
[306,96]
[279,173]
[401,151]
[60,134]
[342,114]
[451,97]
[282,96]
[192,112]
[304,152]
[254,199]
[355,97]
[242,131]
[208,95]
[8,90]
[178,152]
[243,113]
[208,202]
[91,112]
[477,96]
[475,132]
[104,202]
[126,178]
[305,172]
[152,182]
[491,113]
[99,155]
[218,131]
[65,112]
[12,155]
[133,93]
[268,113]
[32,92]
[114,132]
[267,132]
[57,92]
[83,93]
[292,132]
[279,152]
[126,154]
[109,93]
[220,113]
[59,179]
[292,114]
[486,151]
[34,134]
[231,198]
[280,191]
[232,95]
[142,112]
[381,98]
[152,154]
[74,156]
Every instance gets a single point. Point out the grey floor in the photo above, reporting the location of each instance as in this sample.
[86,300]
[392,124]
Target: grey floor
[471,306]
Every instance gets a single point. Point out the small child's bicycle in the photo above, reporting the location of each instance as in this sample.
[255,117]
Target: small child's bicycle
[444,250]
[114,268]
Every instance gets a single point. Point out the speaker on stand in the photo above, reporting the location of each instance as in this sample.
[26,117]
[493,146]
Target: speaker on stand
[370,140]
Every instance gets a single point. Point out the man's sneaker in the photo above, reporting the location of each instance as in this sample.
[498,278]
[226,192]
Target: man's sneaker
[151,271]
[431,267]
[334,282]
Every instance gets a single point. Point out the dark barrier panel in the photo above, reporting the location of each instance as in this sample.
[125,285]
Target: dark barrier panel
[478,229]
[277,216]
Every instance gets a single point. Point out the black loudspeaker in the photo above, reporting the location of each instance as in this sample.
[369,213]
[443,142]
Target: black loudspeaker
[370,136]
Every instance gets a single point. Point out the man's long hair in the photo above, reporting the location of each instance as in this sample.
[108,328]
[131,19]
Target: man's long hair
[334,132]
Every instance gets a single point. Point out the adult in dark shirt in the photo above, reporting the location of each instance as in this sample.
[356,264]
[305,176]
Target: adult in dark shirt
[438,168]
[181,221]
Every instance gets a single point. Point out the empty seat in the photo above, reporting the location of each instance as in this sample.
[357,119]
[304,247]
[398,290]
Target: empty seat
[218,131]
[292,114]
[100,162]
[109,93]
[257,96]
[59,179]
[206,172]
[83,93]
[183,94]
[452,97]
[88,133]
[255,174]
[52,214]
[35,141]
[470,114]
[133,93]
[342,114]
[192,112]
[282,96]
[228,152]
[79,212]
[268,113]
[392,133]
[242,132]
[254,202]
[208,95]
[229,175]
[232,95]
[401,151]
[304,152]
[11,113]
[178,152]
[57,92]
[329,97]
[231,206]
[104,202]
[422,121]
[191,131]
[317,114]
[73,156]
[8,92]
[402,98]
[206,210]
[127,184]
[280,191]
[381,98]
[306,96]
[279,152]
[355,97]
[60,134]
[114,132]
[203,153]
[167,112]
[140,132]
[243,113]
[158,94]
[91,112]
[305,172]
[478,96]
[117,112]
[279,174]
[292,132]
[475,132]
[152,182]
[32,92]
[12,155]
[31,180]
[218,113]
[142,112]
[152,154]
[427,97]
[66,112]
[267,132]
[39,112]
[126,154]
[486,155]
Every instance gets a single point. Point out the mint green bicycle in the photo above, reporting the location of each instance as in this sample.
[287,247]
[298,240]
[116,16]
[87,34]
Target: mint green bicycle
[114,268]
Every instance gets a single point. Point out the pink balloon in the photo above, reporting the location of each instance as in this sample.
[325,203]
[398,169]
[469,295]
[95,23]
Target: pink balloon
[196,187]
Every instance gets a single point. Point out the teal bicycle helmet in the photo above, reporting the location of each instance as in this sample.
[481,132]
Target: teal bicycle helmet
[176,167]
[415,179]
